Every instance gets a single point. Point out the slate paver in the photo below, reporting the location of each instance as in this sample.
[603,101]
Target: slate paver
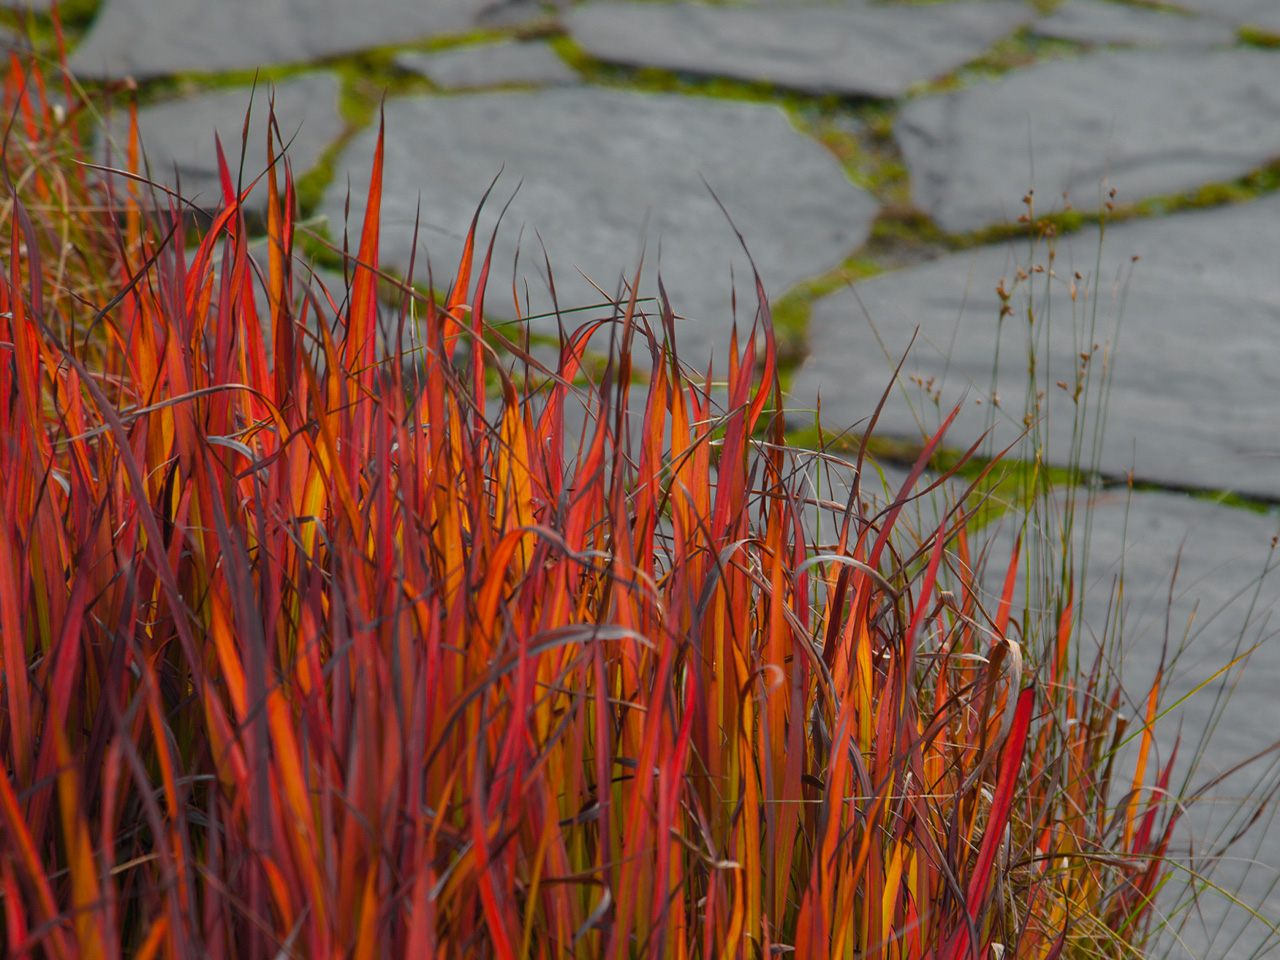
[143,38]
[490,65]
[1147,121]
[594,166]
[1201,577]
[872,51]
[181,133]
[1099,22]
[1194,373]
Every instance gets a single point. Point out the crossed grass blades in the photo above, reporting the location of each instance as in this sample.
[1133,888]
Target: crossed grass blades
[320,644]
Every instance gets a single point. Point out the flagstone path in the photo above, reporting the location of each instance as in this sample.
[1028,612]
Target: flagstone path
[892,144]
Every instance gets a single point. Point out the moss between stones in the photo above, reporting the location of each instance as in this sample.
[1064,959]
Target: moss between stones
[1013,52]
[1254,36]
[1012,485]
[657,80]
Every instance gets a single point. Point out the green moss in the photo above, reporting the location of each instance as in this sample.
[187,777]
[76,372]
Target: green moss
[1252,186]
[1015,51]
[1009,485]
[471,37]
[658,80]
[791,311]
[655,80]
[859,135]
[1161,6]
[1255,36]
[904,224]
[1223,498]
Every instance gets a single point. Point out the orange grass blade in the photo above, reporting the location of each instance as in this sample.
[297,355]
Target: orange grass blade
[1144,752]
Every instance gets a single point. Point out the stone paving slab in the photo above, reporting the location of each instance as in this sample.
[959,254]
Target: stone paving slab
[593,168]
[182,133]
[1195,381]
[1148,122]
[872,52]
[1099,22]
[1203,576]
[490,65]
[145,38]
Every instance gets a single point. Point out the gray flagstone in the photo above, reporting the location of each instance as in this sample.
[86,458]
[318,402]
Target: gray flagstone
[861,51]
[1144,121]
[142,38]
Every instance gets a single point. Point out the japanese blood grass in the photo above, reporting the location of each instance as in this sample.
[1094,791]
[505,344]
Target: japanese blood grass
[303,655]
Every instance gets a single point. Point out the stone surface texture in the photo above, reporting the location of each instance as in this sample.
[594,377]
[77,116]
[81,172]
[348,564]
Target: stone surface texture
[594,167]
[1146,122]
[490,65]
[871,51]
[1101,22]
[181,134]
[142,38]
[1188,342]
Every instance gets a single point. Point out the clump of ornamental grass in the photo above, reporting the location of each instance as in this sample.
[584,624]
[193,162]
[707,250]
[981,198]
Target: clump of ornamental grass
[316,644]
